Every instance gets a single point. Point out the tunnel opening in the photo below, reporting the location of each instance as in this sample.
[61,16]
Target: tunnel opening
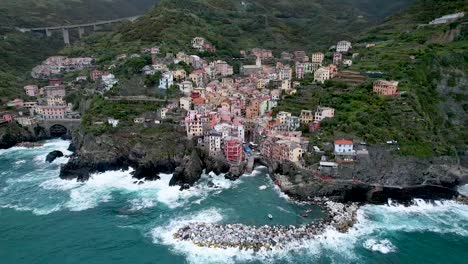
[58,131]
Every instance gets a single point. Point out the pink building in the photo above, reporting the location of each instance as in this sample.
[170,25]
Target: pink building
[7,118]
[31,90]
[262,53]
[52,112]
[383,87]
[223,68]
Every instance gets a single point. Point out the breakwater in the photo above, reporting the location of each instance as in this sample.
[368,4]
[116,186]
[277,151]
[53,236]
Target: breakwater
[268,237]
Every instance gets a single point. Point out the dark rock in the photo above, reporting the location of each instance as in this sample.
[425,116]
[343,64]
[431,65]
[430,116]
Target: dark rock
[185,186]
[212,185]
[72,147]
[53,155]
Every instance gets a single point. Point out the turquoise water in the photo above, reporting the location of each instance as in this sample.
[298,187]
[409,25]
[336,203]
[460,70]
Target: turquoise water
[111,220]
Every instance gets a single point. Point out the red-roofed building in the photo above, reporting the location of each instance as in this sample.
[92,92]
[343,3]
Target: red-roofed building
[198,101]
[55,81]
[344,150]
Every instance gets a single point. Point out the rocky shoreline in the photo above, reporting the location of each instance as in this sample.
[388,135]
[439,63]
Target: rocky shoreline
[268,237]
[301,183]
[375,179]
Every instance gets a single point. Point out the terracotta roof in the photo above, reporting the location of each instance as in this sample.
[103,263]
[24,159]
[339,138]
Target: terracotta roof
[199,71]
[343,142]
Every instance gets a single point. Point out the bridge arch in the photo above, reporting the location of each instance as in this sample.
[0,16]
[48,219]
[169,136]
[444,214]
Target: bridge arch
[58,130]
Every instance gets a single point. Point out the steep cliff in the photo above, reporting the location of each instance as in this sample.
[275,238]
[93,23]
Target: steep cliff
[165,151]
[375,178]
[12,134]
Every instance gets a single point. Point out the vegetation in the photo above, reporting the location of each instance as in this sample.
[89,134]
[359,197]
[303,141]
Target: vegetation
[20,52]
[418,119]
[125,112]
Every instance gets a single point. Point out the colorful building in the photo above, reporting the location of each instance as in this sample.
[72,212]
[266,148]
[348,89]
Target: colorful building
[387,88]
[233,150]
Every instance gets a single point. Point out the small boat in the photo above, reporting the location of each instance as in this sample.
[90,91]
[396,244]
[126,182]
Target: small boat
[305,215]
[270,216]
[309,210]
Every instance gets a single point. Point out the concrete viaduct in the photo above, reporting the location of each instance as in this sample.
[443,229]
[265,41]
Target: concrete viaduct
[81,28]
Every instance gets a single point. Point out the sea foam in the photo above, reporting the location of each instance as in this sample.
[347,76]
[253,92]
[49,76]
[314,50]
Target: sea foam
[383,246]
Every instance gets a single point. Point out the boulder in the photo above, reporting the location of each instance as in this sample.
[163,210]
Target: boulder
[53,155]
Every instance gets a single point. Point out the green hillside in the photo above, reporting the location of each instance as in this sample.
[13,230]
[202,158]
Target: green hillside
[25,13]
[283,24]
[431,64]
[20,52]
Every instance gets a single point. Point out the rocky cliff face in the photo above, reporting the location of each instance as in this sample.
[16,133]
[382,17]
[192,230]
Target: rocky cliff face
[374,179]
[12,134]
[149,155]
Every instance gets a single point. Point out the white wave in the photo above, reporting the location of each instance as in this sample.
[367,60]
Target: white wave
[463,189]
[100,186]
[12,149]
[58,184]
[437,216]
[284,210]
[263,187]
[19,162]
[193,253]
[37,211]
[61,160]
[256,172]
[383,246]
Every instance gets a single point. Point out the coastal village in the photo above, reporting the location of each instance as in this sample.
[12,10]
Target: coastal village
[230,113]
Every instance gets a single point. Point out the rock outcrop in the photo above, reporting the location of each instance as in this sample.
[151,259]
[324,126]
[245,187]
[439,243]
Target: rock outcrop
[53,155]
[149,155]
[12,134]
[373,179]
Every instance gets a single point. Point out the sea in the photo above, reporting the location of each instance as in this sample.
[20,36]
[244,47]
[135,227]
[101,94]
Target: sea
[110,219]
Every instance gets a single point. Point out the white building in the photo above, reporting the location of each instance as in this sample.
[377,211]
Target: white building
[447,18]
[198,43]
[322,74]
[113,122]
[185,103]
[343,46]
[186,87]
[348,63]
[214,142]
[283,116]
[109,81]
[167,80]
[163,112]
[324,112]
[344,146]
